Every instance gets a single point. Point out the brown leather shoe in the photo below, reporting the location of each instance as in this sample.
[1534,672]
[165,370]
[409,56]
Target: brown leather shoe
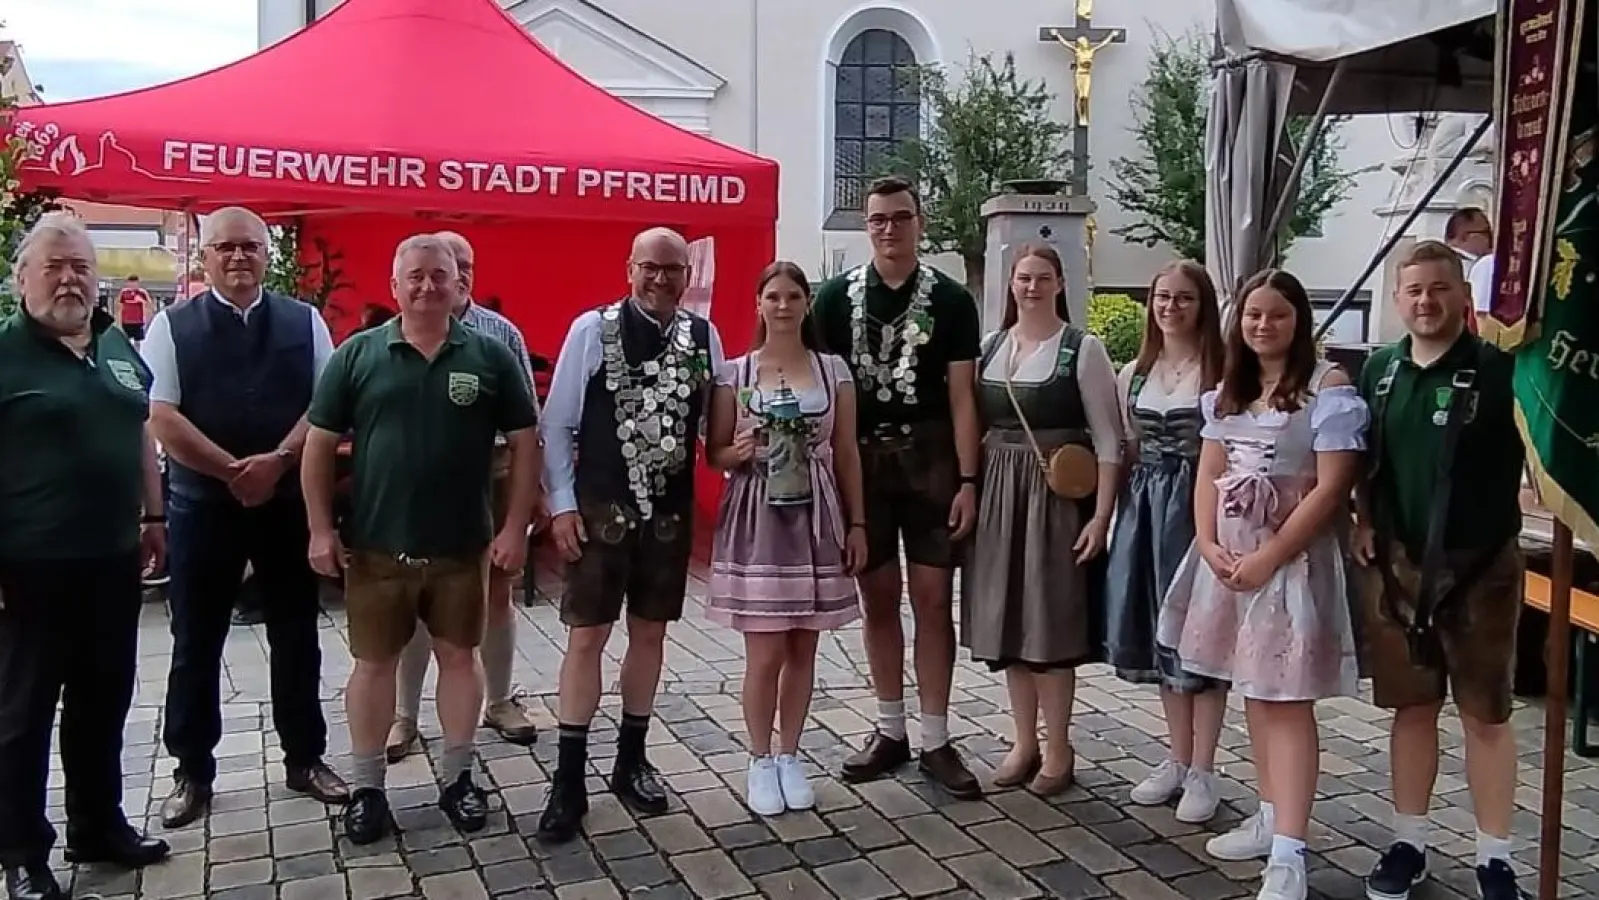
[510,720]
[402,739]
[319,783]
[188,801]
[1048,785]
[1012,774]
[882,755]
[945,767]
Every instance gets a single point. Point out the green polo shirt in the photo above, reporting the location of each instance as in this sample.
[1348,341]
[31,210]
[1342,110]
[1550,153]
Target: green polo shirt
[956,337]
[72,443]
[423,435]
[1484,502]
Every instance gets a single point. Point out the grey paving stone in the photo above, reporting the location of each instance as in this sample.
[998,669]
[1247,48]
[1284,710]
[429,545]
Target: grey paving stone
[898,837]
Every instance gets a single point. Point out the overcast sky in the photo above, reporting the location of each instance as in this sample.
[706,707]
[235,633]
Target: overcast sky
[87,48]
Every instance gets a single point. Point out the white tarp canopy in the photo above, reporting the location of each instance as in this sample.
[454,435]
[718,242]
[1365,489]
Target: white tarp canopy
[1403,55]
[1276,59]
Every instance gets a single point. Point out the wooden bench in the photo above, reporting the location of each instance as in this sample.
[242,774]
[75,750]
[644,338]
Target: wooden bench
[1585,632]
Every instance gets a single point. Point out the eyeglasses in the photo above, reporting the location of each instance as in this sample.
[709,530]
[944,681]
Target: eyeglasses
[1181,301]
[228,248]
[658,270]
[883,223]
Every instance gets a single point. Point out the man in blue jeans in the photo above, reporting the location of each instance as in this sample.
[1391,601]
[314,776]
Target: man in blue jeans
[233,371]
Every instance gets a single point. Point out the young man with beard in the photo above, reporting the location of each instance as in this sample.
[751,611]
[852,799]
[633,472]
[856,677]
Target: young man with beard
[1438,534]
[911,335]
[620,428]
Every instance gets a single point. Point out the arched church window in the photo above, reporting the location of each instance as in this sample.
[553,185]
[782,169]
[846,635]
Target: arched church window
[876,107]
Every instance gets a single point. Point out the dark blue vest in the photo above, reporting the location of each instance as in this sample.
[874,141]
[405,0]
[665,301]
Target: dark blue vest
[601,470]
[245,383]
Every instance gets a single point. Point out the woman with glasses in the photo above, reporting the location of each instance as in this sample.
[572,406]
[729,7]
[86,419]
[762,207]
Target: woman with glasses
[1181,357]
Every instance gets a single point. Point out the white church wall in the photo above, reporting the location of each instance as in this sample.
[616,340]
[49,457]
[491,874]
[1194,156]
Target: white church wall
[774,97]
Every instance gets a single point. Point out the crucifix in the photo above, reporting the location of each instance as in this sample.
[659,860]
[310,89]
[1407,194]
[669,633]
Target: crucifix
[1084,41]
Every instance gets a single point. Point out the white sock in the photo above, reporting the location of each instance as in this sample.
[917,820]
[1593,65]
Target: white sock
[1290,851]
[1490,848]
[413,671]
[891,718]
[1411,830]
[498,651]
[935,731]
[1268,814]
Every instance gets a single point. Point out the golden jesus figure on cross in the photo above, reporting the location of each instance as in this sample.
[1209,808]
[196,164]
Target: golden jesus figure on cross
[1083,74]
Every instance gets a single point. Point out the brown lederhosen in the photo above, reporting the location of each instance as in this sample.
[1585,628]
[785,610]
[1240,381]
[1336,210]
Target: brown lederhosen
[911,474]
[1472,652]
[385,595]
[639,563]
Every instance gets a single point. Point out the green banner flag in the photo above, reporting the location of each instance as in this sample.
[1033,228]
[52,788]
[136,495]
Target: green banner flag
[1546,287]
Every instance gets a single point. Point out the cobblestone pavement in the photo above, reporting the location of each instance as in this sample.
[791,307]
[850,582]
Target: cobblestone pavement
[897,838]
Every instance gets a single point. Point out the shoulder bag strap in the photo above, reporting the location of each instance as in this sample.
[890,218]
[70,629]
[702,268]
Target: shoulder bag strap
[1433,555]
[1038,451]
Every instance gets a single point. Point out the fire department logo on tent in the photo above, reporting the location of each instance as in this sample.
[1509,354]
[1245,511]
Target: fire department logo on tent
[463,388]
[125,374]
[46,149]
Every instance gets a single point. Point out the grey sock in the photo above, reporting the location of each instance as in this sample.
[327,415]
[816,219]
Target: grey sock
[498,651]
[369,771]
[413,670]
[456,760]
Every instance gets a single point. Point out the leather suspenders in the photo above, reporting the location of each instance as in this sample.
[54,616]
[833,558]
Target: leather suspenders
[1434,557]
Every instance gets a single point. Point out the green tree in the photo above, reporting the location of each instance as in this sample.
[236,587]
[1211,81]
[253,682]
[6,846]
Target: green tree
[987,126]
[1163,188]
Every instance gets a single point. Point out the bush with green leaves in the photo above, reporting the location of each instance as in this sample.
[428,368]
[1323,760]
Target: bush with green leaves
[1118,321]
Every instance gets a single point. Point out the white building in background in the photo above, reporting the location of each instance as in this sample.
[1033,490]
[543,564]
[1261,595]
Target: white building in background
[805,82]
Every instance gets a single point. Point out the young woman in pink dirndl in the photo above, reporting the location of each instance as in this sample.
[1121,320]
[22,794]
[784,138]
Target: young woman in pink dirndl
[1260,601]
[791,535]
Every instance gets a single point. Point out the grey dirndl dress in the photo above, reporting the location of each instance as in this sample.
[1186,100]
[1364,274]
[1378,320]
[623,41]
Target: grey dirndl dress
[1154,529]
[1024,599]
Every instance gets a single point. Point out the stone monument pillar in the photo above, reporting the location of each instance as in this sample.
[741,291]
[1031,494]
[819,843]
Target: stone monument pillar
[1037,211]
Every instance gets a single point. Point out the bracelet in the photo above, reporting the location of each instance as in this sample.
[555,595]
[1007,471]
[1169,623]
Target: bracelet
[855,525]
[153,520]
[968,480]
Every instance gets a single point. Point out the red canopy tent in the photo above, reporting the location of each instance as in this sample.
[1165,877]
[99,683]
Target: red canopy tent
[389,117]
[413,108]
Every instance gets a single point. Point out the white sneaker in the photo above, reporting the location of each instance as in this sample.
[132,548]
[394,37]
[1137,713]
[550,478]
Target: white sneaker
[1162,784]
[1250,840]
[1282,881]
[797,793]
[1199,798]
[765,790]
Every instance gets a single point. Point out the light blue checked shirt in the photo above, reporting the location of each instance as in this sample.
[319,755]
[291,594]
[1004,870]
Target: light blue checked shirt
[491,323]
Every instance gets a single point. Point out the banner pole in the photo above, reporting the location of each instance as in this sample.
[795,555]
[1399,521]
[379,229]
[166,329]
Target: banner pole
[1557,656]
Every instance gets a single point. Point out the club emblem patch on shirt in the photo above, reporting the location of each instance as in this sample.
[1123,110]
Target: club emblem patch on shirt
[125,373]
[463,388]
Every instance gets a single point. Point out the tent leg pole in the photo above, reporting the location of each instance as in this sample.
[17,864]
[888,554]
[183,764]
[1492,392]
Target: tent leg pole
[1558,652]
[1318,123]
[1399,233]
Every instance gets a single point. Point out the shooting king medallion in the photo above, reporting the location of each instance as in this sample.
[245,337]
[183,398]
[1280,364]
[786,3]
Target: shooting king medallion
[652,403]
[886,371]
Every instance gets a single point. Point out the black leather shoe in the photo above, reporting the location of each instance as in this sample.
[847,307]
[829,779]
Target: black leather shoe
[187,802]
[33,881]
[638,785]
[119,846]
[563,814]
[367,818]
[466,804]
[319,783]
